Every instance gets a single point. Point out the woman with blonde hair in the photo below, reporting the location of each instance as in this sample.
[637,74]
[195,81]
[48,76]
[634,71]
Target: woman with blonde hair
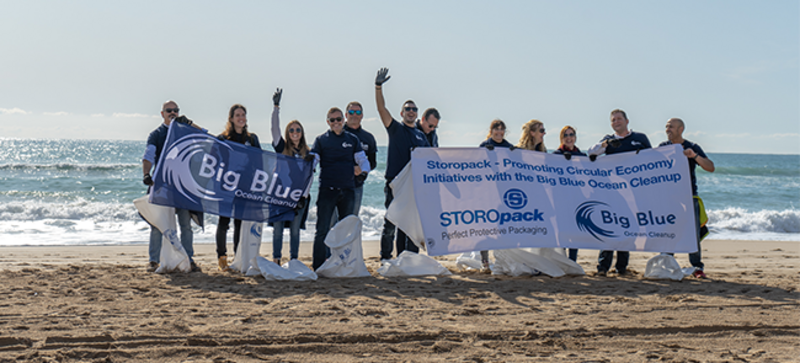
[292,144]
[532,137]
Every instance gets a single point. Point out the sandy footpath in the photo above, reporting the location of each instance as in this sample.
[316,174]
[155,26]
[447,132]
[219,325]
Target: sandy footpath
[98,304]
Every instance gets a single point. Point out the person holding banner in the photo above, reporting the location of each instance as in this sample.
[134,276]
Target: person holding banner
[428,124]
[697,156]
[532,137]
[568,136]
[155,144]
[235,131]
[495,138]
[338,152]
[294,144]
[403,138]
[622,140]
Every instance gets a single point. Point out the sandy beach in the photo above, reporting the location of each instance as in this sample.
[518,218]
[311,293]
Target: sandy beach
[98,304]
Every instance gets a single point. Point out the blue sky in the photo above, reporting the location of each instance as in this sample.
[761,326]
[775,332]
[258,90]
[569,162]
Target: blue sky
[101,69]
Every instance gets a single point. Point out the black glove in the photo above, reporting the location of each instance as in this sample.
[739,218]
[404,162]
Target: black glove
[309,157]
[489,146]
[301,204]
[592,157]
[183,120]
[615,143]
[361,177]
[382,76]
[511,148]
[147,180]
[567,155]
[276,97]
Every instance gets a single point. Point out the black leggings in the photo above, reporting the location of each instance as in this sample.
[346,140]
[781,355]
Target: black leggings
[222,234]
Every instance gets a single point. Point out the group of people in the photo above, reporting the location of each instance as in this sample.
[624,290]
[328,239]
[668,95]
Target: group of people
[346,153]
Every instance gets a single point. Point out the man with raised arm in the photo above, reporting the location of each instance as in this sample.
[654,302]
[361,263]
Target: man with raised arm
[622,140]
[697,156]
[403,137]
[155,144]
[340,159]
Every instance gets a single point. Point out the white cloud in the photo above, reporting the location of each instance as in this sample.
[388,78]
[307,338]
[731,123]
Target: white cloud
[98,115]
[132,115]
[734,135]
[59,113]
[695,133]
[780,136]
[370,119]
[11,111]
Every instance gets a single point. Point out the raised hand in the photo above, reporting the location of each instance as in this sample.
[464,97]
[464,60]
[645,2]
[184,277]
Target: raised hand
[276,97]
[382,77]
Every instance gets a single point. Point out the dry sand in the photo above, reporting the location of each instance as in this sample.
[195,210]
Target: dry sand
[98,304]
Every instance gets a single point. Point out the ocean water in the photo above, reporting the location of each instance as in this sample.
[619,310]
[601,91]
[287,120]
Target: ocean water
[80,192]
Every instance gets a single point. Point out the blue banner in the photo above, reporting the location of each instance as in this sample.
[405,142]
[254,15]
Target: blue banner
[197,171]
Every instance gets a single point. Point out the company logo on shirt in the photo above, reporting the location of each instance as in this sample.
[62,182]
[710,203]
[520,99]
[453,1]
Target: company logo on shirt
[346,145]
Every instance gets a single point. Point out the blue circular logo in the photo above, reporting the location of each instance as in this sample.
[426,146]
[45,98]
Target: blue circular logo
[515,199]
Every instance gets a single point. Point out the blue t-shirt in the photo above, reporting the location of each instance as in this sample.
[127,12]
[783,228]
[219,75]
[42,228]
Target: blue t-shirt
[491,141]
[634,141]
[692,163]
[336,159]
[369,146]
[402,139]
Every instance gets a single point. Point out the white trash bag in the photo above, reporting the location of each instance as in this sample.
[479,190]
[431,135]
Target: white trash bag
[293,270]
[249,246]
[663,266]
[347,256]
[412,264]
[173,256]
[469,261]
[534,261]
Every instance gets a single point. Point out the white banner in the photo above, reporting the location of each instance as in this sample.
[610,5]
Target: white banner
[472,199]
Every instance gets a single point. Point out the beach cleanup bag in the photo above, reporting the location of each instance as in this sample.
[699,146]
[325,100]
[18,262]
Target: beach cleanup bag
[469,261]
[412,264]
[534,261]
[662,267]
[173,256]
[293,270]
[249,246]
[347,256]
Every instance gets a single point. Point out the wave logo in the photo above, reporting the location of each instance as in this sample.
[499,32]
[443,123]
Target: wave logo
[176,169]
[583,218]
[515,199]
[255,230]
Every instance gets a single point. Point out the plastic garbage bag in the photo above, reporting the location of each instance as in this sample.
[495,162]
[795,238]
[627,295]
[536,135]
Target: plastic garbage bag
[249,246]
[534,261]
[293,270]
[173,256]
[469,261]
[347,256]
[663,266]
[412,264]
[402,212]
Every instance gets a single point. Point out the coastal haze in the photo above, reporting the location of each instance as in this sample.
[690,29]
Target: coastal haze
[101,70]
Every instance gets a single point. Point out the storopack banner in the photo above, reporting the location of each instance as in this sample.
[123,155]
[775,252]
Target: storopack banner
[197,171]
[478,199]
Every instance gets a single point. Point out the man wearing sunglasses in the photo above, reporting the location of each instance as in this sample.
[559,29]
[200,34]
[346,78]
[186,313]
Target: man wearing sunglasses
[622,140]
[155,144]
[353,125]
[428,124]
[403,137]
[338,153]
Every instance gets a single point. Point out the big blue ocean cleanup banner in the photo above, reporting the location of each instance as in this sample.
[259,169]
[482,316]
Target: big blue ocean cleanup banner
[472,199]
[198,172]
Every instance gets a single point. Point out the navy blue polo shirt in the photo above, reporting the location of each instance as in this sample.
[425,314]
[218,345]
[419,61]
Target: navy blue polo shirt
[634,141]
[402,139]
[491,141]
[692,163]
[368,145]
[336,159]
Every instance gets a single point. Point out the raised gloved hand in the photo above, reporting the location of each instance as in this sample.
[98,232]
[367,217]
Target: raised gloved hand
[147,180]
[183,120]
[276,97]
[382,77]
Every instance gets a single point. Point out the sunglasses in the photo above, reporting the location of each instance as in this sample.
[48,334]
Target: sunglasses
[410,109]
[541,130]
[569,135]
[354,112]
[169,110]
[335,119]
[297,130]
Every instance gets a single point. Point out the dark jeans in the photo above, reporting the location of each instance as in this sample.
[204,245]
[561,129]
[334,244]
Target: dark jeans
[696,258]
[573,254]
[328,200]
[222,235]
[604,261]
[388,234]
